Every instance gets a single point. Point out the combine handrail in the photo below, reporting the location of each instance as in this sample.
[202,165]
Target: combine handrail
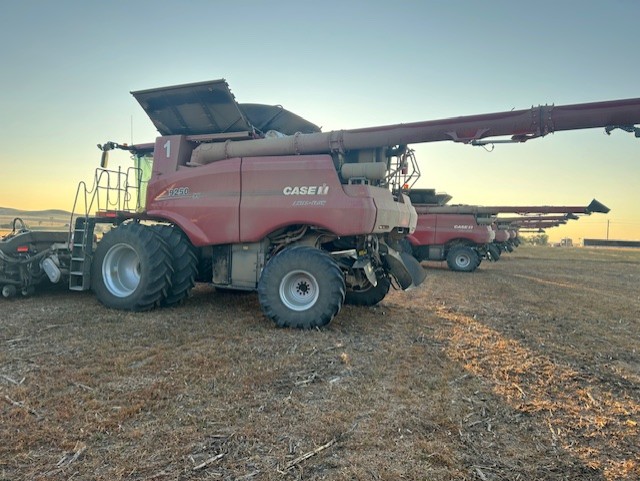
[117,193]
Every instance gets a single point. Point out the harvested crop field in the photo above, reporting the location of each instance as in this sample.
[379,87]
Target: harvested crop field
[525,369]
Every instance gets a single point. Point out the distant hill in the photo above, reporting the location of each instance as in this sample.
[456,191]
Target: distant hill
[8,211]
[50,219]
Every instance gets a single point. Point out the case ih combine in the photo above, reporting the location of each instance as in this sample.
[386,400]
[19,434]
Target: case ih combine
[464,235]
[253,197]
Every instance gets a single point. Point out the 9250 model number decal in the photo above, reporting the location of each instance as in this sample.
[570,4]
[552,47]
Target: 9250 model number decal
[178,192]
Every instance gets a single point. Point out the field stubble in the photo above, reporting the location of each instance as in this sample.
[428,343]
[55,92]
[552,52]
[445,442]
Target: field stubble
[526,369]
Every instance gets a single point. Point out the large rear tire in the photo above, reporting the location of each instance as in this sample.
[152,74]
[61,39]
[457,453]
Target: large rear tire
[462,259]
[301,287]
[183,261]
[131,268]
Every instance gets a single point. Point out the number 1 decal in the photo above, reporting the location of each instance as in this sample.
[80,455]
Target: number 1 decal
[167,148]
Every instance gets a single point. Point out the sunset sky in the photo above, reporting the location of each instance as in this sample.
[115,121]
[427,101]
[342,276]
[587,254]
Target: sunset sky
[68,68]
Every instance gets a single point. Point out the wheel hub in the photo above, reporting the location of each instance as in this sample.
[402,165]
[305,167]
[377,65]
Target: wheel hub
[121,270]
[463,260]
[299,290]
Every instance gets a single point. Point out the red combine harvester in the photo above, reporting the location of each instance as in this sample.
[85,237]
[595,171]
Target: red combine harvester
[463,235]
[253,197]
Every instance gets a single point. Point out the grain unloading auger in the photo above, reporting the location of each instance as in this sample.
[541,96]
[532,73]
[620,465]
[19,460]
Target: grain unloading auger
[593,207]
[520,125]
[523,219]
[539,224]
[513,224]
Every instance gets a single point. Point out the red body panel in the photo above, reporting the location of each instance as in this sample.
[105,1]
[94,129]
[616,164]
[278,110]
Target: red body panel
[277,192]
[242,200]
[204,202]
[440,229]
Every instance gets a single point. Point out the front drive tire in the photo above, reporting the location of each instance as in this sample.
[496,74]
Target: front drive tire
[131,268]
[463,259]
[301,287]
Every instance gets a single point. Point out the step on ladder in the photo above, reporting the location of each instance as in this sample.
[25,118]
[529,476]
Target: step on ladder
[81,253]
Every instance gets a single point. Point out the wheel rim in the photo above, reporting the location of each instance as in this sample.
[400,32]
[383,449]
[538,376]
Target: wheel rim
[299,290]
[121,270]
[463,260]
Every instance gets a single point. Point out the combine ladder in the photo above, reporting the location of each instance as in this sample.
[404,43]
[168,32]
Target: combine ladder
[81,253]
[116,195]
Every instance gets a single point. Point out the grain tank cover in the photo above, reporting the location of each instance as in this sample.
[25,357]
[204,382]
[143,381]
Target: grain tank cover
[274,117]
[210,108]
[192,109]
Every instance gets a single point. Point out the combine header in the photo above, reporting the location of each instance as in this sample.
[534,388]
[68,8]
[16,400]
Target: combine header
[254,197]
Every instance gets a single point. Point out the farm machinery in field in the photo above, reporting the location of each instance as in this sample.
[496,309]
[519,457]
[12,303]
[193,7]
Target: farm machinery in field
[464,235]
[529,223]
[253,197]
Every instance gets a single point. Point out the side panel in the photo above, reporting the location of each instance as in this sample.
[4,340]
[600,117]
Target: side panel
[425,233]
[282,191]
[440,229]
[204,201]
[460,226]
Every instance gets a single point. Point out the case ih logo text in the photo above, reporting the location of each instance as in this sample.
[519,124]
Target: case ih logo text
[463,227]
[306,190]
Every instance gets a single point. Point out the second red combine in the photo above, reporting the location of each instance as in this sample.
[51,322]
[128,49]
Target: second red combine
[464,235]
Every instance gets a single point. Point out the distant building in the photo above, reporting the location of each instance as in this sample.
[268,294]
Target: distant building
[610,243]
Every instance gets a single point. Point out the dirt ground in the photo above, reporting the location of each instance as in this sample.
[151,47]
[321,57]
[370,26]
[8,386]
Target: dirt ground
[527,369]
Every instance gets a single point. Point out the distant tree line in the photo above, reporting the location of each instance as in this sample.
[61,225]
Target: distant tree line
[536,240]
